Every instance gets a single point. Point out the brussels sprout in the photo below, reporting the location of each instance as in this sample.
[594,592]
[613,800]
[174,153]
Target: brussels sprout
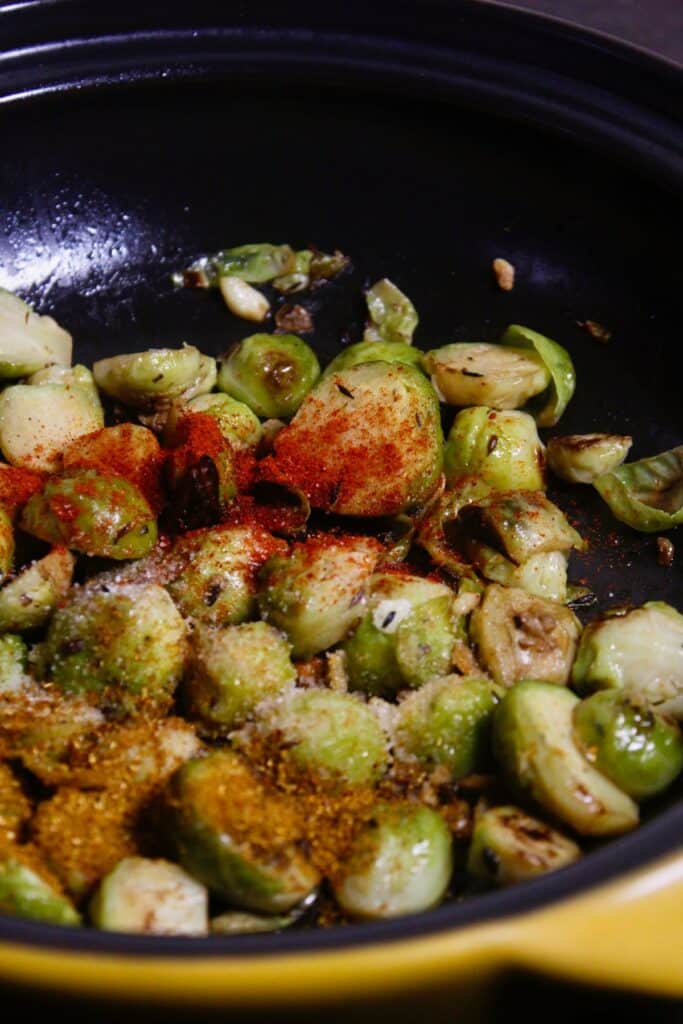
[271,373]
[496,376]
[646,495]
[256,263]
[374,352]
[392,315]
[436,528]
[580,458]
[543,575]
[13,662]
[140,754]
[503,448]
[547,407]
[298,277]
[533,742]
[37,421]
[234,668]
[509,846]
[156,377]
[519,636]
[639,750]
[92,513]
[125,643]
[317,591]
[201,473]
[214,572]
[640,653]
[352,427]
[405,638]
[239,425]
[29,600]
[127,450]
[150,897]
[83,835]
[74,378]
[28,890]
[42,727]
[15,807]
[238,837]
[447,724]
[400,863]
[520,524]
[28,341]
[329,735]
[6,544]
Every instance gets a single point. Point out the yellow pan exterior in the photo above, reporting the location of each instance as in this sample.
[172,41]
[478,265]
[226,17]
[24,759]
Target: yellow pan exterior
[627,934]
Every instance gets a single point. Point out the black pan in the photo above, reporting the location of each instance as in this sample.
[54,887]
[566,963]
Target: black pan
[423,139]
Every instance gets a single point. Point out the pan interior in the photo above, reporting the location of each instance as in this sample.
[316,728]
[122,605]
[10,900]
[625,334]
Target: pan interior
[105,193]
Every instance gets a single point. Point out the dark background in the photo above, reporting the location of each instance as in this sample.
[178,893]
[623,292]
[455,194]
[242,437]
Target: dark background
[656,25]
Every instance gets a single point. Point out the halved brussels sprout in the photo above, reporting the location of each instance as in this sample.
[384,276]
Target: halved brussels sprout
[127,450]
[27,888]
[127,644]
[640,653]
[6,543]
[639,750]
[447,724]
[436,528]
[237,836]
[318,591]
[533,739]
[139,754]
[520,524]
[519,636]
[73,378]
[580,458]
[405,638]
[543,575]
[509,846]
[350,429]
[330,736]
[150,897]
[501,447]
[28,601]
[156,377]
[28,341]
[201,472]
[271,373]
[239,425]
[214,572]
[497,376]
[13,664]
[646,495]
[392,315]
[42,727]
[257,263]
[93,513]
[547,407]
[233,669]
[374,352]
[297,277]
[83,835]
[400,863]
[37,421]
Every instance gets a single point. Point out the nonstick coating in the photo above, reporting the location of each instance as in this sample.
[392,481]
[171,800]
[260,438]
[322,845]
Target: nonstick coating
[106,190]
